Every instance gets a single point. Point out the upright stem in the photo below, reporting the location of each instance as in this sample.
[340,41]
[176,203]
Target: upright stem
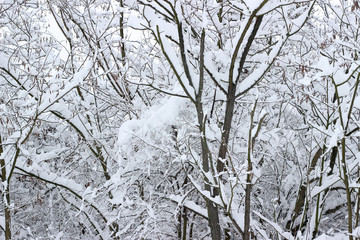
[220,43]
[347,188]
[179,225]
[343,155]
[231,97]
[185,222]
[122,35]
[319,198]
[213,214]
[5,196]
[249,179]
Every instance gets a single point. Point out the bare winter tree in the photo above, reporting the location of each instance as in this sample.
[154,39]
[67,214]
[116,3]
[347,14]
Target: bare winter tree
[222,46]
[179,119]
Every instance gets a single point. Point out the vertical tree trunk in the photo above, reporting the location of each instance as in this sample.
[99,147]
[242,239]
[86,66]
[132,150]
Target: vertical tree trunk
[347,188]
[185,222]
[247,204]
[179,225]
[229,113]
[213,214]
[5,196]
[249,179]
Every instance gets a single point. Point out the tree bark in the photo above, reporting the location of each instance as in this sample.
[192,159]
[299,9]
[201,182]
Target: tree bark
[5,196]
[213,213]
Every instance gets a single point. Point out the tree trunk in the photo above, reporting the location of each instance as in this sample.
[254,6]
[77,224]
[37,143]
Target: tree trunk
[5,196]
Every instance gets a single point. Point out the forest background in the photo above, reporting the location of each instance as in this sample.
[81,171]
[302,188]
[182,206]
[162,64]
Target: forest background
[179,119]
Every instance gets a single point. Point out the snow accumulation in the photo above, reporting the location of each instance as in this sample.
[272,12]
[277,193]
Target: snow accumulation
[253,4]
[48,99]
[165,113]
[3,60]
